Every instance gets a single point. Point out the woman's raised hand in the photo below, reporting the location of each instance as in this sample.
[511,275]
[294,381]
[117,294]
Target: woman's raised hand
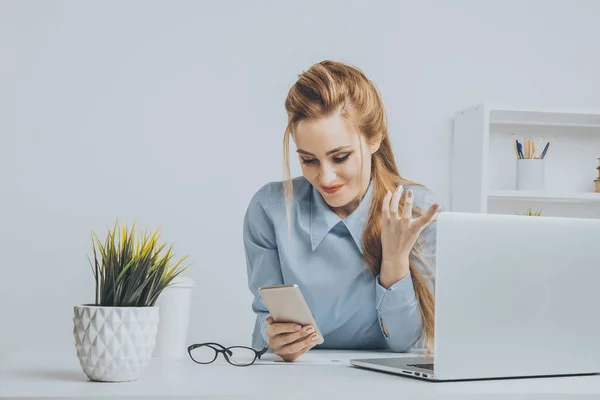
[399,232]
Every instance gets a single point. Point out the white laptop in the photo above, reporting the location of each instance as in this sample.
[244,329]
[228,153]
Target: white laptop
[516,296]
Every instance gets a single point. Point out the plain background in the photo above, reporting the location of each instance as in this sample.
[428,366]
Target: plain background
[171,114]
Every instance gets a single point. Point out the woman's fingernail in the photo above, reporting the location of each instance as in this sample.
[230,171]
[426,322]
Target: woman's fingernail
[310,330]
[297,328]
[388,193]
[410,193]
[399,188]
[315,338]
[436,206]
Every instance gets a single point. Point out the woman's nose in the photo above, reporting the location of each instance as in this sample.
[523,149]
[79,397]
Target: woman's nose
[328,175]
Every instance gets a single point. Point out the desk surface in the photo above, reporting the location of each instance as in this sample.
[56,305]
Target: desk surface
[44,373]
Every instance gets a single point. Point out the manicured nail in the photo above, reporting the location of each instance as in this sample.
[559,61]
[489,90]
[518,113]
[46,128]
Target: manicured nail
[310,330]
[315,338]
[388,193]
[399,188]
[436,206]
[297,328]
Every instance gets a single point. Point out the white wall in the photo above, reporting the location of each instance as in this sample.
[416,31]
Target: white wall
[172,113]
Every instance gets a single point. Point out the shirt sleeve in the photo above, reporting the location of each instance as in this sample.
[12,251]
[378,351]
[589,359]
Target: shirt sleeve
[397,307]
[262,257]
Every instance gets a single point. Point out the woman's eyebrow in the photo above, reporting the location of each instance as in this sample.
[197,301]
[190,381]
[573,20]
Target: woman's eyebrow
[328,153]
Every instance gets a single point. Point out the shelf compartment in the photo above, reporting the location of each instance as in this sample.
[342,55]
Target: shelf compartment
[559,197]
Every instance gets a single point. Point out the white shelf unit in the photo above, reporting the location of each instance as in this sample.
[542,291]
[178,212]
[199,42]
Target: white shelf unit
[557,197]
[484,161]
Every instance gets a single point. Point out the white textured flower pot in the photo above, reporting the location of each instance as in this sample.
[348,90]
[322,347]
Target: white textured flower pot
[114,344]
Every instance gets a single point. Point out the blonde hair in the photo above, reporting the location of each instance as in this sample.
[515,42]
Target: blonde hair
[331,87]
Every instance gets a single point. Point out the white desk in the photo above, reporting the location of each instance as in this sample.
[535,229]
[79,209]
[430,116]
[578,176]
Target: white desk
[45,373]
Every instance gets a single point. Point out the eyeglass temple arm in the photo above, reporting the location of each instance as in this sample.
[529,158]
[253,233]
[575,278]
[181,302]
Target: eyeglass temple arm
[263,351]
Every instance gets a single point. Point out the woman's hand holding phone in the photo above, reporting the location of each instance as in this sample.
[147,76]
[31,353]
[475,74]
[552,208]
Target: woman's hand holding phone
[292,329]
[288,340]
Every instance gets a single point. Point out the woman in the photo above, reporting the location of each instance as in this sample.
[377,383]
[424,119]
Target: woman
[355,236]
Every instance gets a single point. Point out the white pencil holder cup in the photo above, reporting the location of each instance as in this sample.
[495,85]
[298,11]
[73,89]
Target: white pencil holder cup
[530,174]
[174,306]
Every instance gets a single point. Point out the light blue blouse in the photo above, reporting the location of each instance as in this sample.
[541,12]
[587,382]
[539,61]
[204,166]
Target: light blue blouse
[323,258]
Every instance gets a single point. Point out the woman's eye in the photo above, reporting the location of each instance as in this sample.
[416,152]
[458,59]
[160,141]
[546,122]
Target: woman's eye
[335,159]
[341,159]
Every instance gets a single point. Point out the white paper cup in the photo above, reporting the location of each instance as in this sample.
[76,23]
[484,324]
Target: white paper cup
[174,304]
[530,174]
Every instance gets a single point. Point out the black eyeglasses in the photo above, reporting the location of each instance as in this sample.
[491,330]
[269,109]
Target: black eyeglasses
[240,356]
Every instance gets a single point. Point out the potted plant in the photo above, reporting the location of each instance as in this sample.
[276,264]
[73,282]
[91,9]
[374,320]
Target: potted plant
[115,336]
[531,213]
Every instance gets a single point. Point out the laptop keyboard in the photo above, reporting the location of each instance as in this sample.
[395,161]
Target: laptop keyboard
[424,366]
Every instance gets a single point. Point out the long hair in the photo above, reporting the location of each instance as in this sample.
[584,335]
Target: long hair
[331,87]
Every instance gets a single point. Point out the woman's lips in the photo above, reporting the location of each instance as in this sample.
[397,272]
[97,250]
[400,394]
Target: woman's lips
[331,189]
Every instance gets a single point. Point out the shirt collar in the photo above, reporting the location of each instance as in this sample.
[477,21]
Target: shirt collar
[323,218]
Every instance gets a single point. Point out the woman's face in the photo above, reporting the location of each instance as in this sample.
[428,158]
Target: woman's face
[329,154]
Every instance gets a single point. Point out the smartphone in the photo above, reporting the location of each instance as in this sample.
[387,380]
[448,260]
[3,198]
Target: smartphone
[287,304]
